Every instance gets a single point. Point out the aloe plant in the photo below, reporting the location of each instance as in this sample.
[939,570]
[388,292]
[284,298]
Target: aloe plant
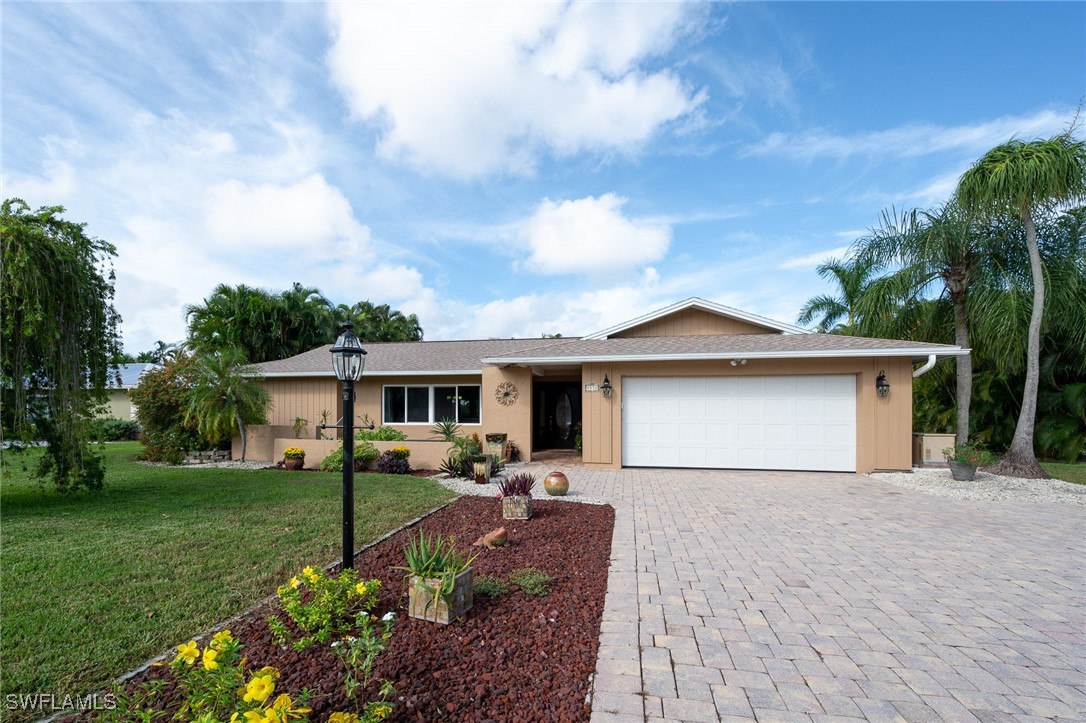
[433,557]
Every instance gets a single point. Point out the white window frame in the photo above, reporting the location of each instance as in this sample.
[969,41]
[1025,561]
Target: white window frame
[430,403]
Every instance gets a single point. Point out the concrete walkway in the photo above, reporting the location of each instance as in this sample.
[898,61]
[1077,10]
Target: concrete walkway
[804,596]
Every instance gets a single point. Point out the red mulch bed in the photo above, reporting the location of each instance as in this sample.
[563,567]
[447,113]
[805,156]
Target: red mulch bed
[515,657]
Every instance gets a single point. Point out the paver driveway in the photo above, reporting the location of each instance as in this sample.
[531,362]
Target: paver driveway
[804,596]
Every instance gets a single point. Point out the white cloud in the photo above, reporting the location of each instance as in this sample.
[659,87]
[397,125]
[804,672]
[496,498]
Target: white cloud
[813,260]
[915,139]
[309,214]
[591,236]
[469,89]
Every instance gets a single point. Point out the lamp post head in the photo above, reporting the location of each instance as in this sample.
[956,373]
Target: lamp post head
[606,386]
[348,356]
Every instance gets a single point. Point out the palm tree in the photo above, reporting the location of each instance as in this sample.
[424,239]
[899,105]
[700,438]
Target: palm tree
[381,323]
[939,251]
[853,277]
[1025,178]
[226,396]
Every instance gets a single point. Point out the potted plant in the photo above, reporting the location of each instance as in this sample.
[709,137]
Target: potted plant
[963,460]
[481,468]
[516,496]
[294,458]
[438,580]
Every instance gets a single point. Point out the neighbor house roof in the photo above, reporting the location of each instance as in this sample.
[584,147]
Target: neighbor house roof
[408,357]
[740,346]
[127,376]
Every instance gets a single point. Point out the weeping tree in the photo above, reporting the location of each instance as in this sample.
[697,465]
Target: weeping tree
[1027,178]
[226,395]
[59,336]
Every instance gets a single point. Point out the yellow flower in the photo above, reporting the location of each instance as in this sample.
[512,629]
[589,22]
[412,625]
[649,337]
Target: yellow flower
[258,689]
[209,658]
[382,711]
[343,718]
[187,652]
[269,670]
[220,639]
[295,582]
[308,571]
[361,588]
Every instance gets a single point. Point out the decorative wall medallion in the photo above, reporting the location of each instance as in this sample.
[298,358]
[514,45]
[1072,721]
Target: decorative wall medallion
[506,394]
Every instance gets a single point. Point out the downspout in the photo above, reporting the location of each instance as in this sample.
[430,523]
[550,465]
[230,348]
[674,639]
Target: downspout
[926,368]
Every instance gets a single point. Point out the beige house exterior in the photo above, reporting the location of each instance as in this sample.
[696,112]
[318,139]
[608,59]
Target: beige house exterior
[696,384]
[118,403]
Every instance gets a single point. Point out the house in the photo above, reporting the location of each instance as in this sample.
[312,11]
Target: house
[696,384]
[119,385]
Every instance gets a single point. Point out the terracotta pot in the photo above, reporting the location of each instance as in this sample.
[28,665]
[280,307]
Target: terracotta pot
[294,464]
[556,484]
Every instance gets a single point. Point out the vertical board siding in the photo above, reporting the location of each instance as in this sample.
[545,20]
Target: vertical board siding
[305,398]
[694,322]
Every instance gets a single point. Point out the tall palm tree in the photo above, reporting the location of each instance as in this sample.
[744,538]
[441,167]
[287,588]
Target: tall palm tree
[852,277]
[1026,178]
[934,252]
[226,396]
[381,323]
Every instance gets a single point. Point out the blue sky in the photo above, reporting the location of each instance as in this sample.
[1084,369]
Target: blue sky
[511,169]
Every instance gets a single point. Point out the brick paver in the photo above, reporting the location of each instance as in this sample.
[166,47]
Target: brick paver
[808,596]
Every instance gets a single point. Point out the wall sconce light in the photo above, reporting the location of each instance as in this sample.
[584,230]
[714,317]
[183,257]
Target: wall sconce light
[737,362]
[606,386]
[882,387]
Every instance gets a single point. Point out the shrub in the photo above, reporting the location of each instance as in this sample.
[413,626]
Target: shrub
[489,586]
[114,430]
[971,453]
[322,606]
[391,463]
[161,400]
[381,434]
[364,453]
[531,581]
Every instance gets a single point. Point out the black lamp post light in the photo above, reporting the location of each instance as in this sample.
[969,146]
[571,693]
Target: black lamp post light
[348,360]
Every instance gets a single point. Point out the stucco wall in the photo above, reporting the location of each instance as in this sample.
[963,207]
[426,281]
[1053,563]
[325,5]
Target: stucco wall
[883,426]
[117,406]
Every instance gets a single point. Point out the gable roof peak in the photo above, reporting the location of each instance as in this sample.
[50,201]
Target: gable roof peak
[711,307]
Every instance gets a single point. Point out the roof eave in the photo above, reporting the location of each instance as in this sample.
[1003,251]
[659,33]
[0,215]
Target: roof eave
[914,353]
[705,306]
[331,375]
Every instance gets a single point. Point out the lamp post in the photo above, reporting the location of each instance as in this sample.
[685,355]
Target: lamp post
[348,360]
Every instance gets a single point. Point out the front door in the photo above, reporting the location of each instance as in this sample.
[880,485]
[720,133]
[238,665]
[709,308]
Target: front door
[557,421]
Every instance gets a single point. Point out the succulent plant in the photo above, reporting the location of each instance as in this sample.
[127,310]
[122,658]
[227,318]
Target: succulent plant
[518,485]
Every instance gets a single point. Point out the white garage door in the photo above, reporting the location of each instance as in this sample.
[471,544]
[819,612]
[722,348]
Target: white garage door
[788,422]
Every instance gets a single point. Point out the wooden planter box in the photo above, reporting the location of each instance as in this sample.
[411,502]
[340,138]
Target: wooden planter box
[517,507]
[423,605]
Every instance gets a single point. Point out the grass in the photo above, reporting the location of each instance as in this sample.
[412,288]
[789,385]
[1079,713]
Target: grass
[1067,472]
[95,583]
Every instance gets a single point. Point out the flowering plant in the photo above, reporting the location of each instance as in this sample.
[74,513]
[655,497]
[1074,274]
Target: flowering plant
[294,453]
[359,652]
[322,606]
[970,453]
[400,451]
[215,687]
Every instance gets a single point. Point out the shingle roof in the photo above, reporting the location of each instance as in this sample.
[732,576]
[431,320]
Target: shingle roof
[717,347]
[410,357]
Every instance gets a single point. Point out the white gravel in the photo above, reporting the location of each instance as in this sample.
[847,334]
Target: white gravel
[233,464]
[468,487]
[985,486]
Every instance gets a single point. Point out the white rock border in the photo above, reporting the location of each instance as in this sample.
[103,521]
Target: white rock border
[985,487]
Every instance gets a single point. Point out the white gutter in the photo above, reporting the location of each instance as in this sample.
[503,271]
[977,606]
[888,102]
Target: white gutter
[724,356]
[331,375]
[932,358]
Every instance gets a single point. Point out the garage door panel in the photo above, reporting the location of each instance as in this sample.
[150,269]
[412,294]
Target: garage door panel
[790,422]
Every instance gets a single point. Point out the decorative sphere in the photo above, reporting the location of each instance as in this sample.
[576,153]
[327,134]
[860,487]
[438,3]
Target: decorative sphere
[556,484]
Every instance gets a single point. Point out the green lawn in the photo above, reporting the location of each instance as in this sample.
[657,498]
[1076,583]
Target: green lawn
[95,583]
[1067,472]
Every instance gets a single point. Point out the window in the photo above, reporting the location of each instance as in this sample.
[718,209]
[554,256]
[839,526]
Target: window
[426,405]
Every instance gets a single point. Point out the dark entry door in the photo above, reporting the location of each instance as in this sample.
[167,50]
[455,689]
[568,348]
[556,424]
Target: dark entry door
[557,419]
